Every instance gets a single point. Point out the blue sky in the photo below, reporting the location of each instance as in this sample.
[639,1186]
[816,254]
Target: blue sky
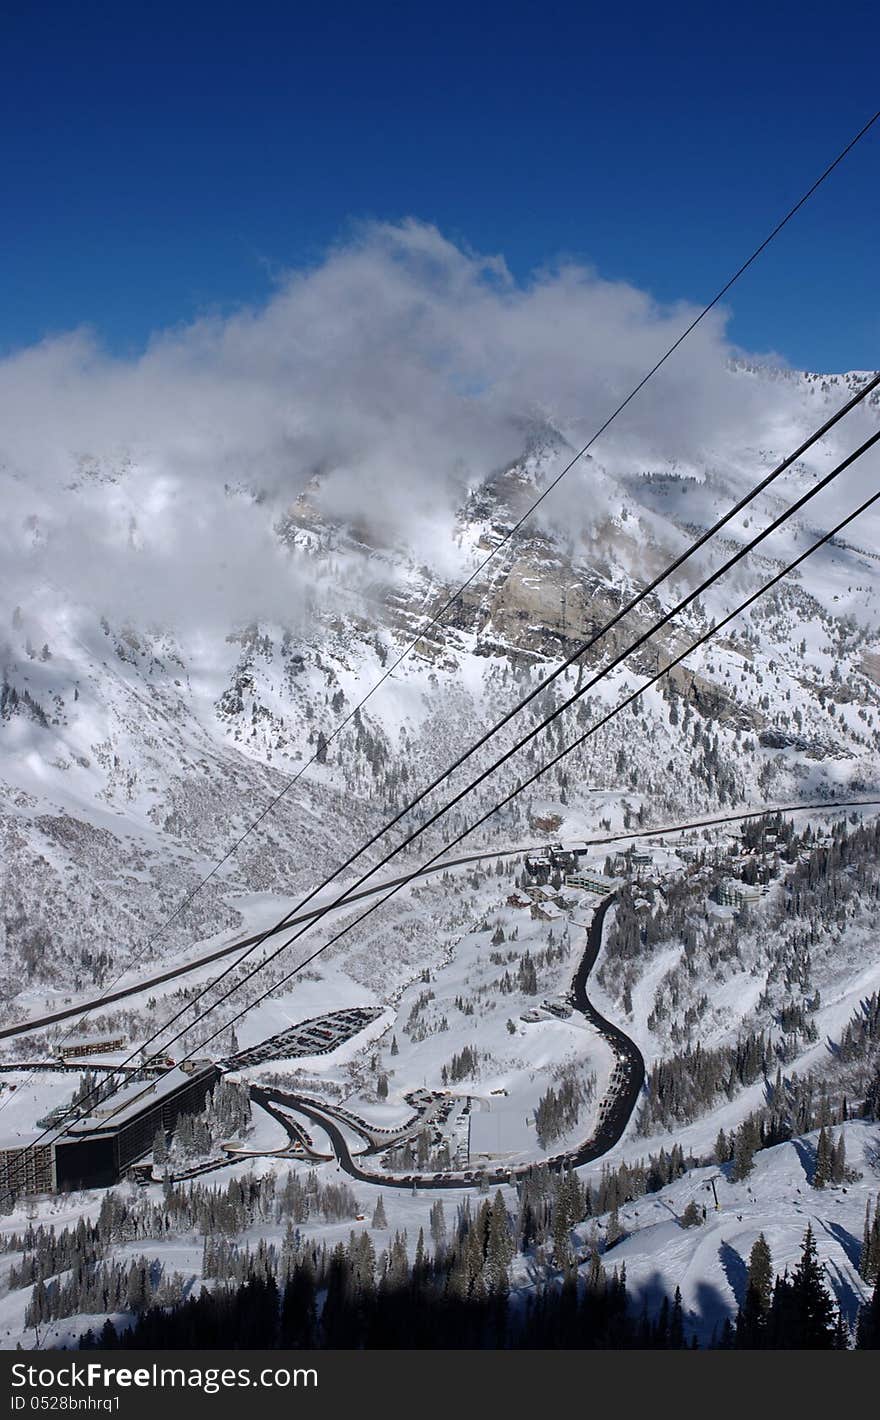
[164,161]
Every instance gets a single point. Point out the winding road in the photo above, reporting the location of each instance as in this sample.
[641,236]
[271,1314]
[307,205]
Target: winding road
[82,1008]
[608,1132]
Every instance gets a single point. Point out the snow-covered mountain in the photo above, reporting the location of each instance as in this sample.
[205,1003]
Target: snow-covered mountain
[133,752]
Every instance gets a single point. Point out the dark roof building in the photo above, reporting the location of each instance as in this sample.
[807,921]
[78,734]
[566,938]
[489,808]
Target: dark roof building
[97,1150]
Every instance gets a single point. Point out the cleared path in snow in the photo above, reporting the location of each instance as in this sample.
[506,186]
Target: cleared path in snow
[612,1123]
[148,983]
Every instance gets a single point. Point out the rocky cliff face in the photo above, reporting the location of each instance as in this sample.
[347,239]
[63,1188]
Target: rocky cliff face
[132,757]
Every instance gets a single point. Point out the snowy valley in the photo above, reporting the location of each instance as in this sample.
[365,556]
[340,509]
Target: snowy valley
[437,1050]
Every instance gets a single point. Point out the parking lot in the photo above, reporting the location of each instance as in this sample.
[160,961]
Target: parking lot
[317,1036]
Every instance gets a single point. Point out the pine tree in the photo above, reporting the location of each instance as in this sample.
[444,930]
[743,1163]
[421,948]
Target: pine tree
[613,1231]
[751,1321]
[691,1217]
[676,1323]
[822,1169]
[865,1256]
[869,1261]
[561,1241]
[743,1152]
[419,1268]
[438,1226]
[661,1326]
[868,1332]
[760,1276]
[379,1218]
[500,1245]
[838,1160]
[808,1320]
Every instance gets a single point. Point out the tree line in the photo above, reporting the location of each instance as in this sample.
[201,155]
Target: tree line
[460,1296]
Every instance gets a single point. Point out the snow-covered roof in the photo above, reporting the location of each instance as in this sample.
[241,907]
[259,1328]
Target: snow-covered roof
[498,1131]
[127,1103]
[32,1098]
[583,875]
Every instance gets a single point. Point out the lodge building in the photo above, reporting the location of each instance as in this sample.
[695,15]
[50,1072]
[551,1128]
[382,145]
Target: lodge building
[96,1151]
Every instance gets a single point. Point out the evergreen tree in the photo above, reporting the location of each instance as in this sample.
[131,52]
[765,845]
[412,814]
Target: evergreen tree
[438,1226]
[613,1231]
[838,1160]
[751,1321]
[760,1276]
[419,1268]
[500,1246]
[676,1323]
[803,1314]
[298,1315]
[822,1168]
[868,1332]
[660,1336]
[561,1239]
[869,1258]
[743,1152]
[379,1218]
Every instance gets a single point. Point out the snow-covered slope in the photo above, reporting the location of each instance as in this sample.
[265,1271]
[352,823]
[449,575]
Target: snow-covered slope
[132,756]
[709,1262]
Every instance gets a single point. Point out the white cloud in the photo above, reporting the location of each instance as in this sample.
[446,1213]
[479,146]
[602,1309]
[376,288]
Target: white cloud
[401,368]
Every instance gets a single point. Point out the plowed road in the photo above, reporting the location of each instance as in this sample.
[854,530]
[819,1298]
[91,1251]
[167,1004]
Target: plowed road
[82,1008]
